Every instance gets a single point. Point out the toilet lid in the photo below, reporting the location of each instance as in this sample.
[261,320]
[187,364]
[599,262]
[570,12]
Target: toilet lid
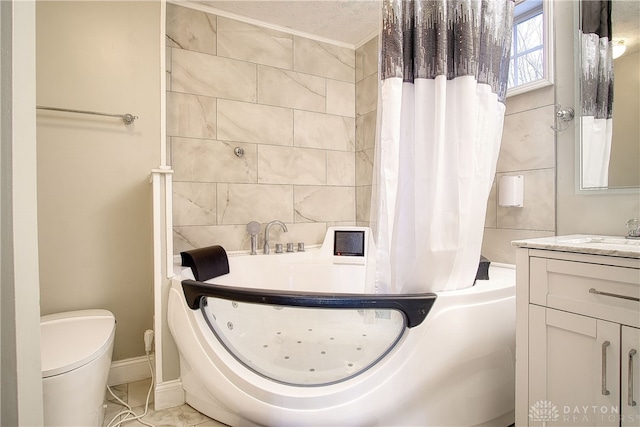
[73,339]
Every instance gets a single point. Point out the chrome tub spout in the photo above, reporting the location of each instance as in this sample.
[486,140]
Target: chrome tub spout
[266,233]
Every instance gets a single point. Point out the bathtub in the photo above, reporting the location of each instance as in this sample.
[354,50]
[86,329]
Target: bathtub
[293,339]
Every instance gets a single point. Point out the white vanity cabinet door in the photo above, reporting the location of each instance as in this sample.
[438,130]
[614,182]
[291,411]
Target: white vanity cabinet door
[630,372]
[574,369]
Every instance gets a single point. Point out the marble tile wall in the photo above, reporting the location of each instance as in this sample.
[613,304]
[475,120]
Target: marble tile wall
[289,102]
[528,149]
[366,114]
[305,114]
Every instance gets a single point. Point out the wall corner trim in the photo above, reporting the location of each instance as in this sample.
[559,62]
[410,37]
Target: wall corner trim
[169,394]
[129,370]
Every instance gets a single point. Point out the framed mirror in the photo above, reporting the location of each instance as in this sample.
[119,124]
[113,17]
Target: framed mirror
[608,118]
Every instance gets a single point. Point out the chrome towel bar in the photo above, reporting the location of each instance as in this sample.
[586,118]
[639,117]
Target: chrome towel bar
[126,118]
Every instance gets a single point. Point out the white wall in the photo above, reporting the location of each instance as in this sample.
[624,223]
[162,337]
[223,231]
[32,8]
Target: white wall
[94,196]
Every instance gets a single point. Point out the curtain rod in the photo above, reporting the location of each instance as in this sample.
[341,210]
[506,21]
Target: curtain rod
[126,118]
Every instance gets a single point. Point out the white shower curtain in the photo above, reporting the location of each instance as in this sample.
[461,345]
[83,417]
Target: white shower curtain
[596,92]
[444,67]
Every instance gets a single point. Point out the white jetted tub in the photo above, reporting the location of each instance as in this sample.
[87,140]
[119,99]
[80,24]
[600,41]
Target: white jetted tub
[294,340]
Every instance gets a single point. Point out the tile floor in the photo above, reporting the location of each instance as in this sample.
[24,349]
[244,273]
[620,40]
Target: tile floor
[135,394]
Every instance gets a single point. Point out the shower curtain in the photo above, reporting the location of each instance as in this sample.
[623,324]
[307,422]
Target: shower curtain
[596,92]
[444,67]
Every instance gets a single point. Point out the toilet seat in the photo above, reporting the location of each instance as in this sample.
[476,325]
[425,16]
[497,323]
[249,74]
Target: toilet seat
[72,339]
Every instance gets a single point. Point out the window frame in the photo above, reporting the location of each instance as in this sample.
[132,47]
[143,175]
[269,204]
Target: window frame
[547,48]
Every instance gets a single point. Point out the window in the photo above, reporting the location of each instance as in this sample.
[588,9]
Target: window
[526,49]
[530,60]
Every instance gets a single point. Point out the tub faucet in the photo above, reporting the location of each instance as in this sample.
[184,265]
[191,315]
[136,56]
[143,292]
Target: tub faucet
[266,233]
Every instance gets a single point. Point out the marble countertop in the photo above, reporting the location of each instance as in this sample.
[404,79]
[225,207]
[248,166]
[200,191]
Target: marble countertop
[585,244]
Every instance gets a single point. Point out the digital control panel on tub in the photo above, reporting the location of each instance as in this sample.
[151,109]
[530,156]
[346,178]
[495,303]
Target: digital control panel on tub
[348,243]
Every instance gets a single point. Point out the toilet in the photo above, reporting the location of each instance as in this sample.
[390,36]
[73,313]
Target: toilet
[76,349]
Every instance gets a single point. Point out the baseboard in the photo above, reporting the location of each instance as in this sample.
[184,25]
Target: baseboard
[129,370]
[169,394]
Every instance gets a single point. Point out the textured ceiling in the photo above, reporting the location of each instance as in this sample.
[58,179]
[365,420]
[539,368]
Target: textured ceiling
[355,21]
[625,18]
[347,21]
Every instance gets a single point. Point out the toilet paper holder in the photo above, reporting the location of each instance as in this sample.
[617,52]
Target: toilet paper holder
[511,191]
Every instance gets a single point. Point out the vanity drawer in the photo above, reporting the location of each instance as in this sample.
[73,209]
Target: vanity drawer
[572,286]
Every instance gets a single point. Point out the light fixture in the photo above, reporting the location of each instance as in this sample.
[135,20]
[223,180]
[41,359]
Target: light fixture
[618,49]
[511,191]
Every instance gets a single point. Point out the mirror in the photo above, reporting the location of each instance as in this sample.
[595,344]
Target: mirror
[615,166]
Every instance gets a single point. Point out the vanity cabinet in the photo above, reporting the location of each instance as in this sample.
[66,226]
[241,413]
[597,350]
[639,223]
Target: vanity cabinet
[577,337]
